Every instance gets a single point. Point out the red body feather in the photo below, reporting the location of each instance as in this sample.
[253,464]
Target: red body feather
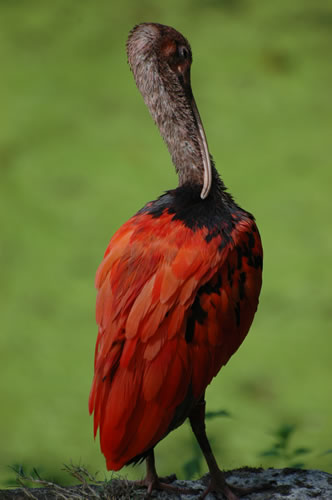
[173,305]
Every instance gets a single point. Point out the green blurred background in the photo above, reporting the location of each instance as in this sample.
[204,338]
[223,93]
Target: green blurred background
[79,154]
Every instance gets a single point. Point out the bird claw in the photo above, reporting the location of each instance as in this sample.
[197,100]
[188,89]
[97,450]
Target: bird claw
[232,492]
[225,490]
[162,483]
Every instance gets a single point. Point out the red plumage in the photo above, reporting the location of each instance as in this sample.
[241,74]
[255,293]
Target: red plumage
[147,284]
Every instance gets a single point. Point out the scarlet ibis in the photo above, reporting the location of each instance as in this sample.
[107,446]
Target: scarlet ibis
[179,283]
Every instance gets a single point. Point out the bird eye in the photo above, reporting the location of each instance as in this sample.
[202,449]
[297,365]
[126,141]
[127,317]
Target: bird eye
[183,52]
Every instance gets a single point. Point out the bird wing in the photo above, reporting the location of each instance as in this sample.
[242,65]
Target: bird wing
[145,367]
[224,307]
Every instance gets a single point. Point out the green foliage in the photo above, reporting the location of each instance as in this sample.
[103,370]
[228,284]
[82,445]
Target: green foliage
[91,487]
[283,454]
[86,485]
[281,448]
[209,415]
[39,475]
[193,467]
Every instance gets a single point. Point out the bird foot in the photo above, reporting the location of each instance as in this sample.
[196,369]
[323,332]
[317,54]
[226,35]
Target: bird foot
[224,489]
[231,492]
[162,483]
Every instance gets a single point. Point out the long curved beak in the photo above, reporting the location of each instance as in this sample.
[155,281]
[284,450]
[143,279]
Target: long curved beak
[207,178]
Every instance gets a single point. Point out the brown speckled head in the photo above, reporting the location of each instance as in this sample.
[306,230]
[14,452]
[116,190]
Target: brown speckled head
[160,59]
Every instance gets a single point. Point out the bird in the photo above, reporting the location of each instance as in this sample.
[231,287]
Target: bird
[179,283]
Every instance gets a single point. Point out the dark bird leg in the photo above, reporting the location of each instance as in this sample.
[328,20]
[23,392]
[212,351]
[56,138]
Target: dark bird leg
[153,482]
[217,482]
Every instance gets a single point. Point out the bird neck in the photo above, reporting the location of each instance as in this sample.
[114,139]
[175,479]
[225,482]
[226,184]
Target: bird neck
[171,108]
[177,127]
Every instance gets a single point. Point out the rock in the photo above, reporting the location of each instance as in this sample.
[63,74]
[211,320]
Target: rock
[273,484]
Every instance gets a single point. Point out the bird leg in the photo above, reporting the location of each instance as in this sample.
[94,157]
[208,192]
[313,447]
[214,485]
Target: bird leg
[217,482]
[153,482]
